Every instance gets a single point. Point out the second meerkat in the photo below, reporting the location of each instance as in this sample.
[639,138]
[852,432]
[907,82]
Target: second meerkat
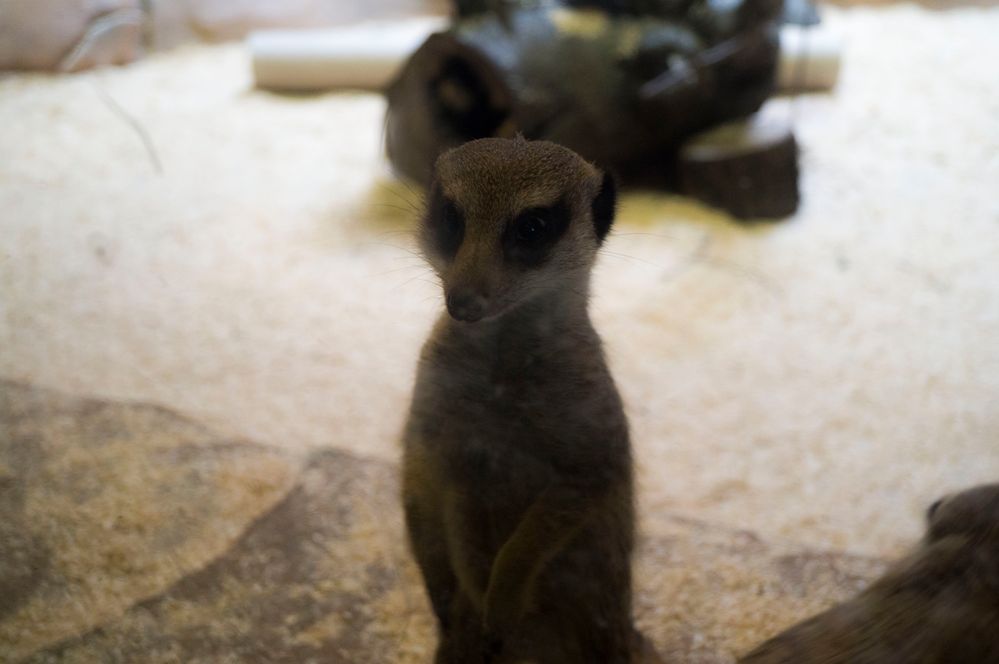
[517,470]
[938,605]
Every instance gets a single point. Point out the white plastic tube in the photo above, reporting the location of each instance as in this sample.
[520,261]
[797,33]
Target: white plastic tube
[364,56]
[809,58]
[368,56]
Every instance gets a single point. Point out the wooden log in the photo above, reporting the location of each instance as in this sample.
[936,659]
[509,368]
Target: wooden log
[622,90]
[748,168]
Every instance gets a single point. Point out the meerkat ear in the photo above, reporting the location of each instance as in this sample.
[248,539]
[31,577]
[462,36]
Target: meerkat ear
[603,207]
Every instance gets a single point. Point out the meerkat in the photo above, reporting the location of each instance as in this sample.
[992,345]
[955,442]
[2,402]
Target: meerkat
[939,605]
[517,470]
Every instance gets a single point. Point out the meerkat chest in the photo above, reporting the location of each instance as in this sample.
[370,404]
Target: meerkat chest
[487,421]
[495,426]
[524,407]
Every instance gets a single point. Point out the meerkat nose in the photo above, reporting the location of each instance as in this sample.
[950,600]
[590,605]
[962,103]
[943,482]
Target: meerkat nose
[466,306]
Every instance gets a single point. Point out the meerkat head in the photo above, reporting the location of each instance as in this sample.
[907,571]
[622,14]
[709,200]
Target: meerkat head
[510,220]
[974,512]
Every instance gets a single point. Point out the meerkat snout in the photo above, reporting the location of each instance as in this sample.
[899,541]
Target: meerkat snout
[465,305]
[509,221]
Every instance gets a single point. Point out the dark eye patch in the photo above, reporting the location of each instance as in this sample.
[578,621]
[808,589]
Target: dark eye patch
[445,223]
[529,238]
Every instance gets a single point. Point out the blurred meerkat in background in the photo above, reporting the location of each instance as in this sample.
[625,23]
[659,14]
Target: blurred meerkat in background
[939,605]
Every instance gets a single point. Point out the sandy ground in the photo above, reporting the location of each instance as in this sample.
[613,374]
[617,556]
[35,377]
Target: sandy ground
[820,379]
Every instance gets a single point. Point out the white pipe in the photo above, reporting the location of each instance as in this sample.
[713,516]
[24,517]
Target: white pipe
[363,56]
[368,56]
[809,58]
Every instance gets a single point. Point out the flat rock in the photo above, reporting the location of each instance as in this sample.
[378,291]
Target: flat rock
[151,540]
[103,504]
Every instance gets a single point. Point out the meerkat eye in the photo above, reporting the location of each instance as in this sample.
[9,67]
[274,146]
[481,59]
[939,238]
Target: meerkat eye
[446,224]
[529,238]
[531,228]
[452,230]
[451,218]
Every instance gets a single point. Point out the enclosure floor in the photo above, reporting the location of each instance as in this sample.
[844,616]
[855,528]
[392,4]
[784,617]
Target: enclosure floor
[816,380]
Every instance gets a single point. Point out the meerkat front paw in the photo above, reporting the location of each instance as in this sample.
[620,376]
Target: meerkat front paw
[502,615]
